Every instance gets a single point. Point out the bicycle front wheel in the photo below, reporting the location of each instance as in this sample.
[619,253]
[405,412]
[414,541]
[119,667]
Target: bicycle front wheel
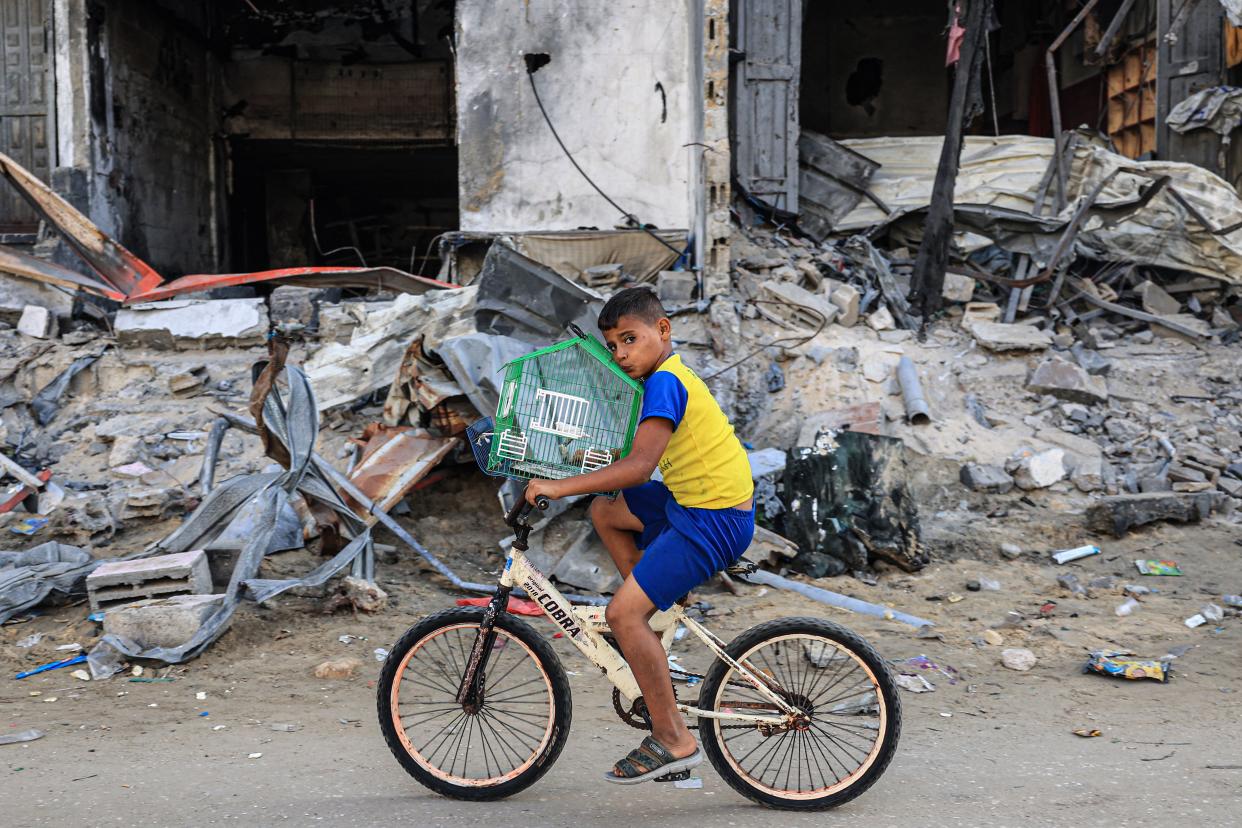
[845,740]
[479,752]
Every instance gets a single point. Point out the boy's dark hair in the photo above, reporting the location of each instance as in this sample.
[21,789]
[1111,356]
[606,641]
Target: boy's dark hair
[636,301]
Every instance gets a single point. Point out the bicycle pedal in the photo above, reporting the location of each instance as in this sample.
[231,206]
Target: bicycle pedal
[676,776]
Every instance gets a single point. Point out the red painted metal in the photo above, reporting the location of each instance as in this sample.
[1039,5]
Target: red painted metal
[361,277]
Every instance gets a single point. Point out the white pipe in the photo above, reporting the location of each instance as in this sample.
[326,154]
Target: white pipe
[835,599]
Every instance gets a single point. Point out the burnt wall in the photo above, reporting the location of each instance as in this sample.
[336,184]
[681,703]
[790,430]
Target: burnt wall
[871,69]
[155,125]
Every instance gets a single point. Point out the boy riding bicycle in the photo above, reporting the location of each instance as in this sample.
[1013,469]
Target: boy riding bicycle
[696,523]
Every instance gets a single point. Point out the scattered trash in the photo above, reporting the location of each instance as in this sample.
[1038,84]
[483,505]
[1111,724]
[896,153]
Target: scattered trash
[1232,601]
[28,526]
[1018,658]
[149,680]
[922,662]
[1087,732]
[286,727]
[915,684]
[75,647]
[1116,663]
[1070,582]
[1136,589]
[1158,568]
[1196,620]
[381,654]
[200,695]
[81,675]
[1127,607]
[1212,612]
[693,783]
[52,665]
[993,637]
[204,714]
[30,640]
[349,639]
[1064,556]
[22,736]
[255,756]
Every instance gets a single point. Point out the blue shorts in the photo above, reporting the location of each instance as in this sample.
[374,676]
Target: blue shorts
[683,547]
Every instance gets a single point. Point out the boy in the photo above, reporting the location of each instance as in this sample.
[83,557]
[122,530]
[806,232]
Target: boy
[696,523]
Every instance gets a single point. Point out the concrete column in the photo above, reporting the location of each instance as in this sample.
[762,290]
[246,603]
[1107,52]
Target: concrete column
[716,165]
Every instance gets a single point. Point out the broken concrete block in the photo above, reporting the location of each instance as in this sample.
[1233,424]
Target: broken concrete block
[161,622]
[846,298]
[37,321]
[997,336]
[193,323]
[125,450]
[1090,361]
[1088,474]
[604,276]
[1067,381]
[979,312]
[797,306]
[675,287]
[881,319]
[145,503]
[184,572]
[1122,430]
[980,477]
[1156,300]
[1229,486]
[1121,513]
[769,546]
[957,288]
[292,305]
[189,383]
[1200,486]
[1036,469]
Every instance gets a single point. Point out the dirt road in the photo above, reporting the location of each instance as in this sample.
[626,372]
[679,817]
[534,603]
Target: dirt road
[995,748]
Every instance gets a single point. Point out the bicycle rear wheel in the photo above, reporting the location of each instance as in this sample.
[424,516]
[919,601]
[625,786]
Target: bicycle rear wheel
[488,751]
[852,724]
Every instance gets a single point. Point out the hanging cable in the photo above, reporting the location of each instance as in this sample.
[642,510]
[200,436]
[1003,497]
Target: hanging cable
[533,64]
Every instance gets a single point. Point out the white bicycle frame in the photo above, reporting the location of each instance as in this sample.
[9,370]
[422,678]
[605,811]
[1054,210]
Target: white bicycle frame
[584,626]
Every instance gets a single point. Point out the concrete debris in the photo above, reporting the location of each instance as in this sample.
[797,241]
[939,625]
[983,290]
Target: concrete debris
[997,336]
[1121,513]
[980,477]
[1156,300]
[881,320]
[161,622]
[1067,381]
[38,322]
[797,306]
[958,288]
[190,382]
[182,573]
[193,324]
[675,287]
[1036,469]
[846,298]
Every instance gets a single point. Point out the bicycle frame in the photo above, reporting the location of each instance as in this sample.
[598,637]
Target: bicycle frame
[585,626]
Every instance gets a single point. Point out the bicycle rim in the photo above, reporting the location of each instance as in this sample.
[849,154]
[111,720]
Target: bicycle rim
[848,718]
[487,747]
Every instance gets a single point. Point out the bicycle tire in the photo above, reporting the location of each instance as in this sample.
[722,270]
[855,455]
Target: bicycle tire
[711,730]
[546,662]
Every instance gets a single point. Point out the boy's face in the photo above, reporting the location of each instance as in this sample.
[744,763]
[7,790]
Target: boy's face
[637,346]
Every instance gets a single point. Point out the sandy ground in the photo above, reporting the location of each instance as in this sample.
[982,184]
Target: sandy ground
[995,748]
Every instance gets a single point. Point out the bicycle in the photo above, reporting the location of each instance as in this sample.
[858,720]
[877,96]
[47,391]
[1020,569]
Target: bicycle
[795,713]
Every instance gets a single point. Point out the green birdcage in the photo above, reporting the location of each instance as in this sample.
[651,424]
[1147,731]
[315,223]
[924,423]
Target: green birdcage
[564,410]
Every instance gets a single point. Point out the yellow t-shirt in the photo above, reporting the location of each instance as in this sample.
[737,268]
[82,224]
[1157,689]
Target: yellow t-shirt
[704,465]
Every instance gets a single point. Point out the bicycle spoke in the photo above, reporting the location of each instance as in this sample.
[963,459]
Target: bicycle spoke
[492,742]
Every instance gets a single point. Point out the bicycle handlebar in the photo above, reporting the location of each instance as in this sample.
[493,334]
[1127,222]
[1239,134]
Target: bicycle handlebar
[521,509]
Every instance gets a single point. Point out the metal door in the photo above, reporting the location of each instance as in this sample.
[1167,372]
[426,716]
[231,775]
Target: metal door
[25,106]
[1191,43]
[768,34]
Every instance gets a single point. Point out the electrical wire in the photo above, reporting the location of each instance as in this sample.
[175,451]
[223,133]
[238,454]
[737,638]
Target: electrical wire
[823,323]
[630,217]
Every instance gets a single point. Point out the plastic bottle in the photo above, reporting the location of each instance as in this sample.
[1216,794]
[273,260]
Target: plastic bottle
[1071,583]
[1231,600]
[1129,606]
[1212,612]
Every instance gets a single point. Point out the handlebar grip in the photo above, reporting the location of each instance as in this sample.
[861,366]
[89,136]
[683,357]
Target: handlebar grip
[543,503]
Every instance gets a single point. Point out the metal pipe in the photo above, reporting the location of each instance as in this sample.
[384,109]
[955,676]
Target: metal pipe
[917,410]
[834,599]
[1054,97]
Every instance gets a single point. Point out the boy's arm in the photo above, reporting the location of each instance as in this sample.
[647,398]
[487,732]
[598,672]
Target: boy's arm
[636,467]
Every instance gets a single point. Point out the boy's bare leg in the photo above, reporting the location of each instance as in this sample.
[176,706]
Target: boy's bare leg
[627,617]
[616,524]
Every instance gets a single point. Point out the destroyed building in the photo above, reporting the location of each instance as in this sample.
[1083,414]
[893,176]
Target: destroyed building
[406,196]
